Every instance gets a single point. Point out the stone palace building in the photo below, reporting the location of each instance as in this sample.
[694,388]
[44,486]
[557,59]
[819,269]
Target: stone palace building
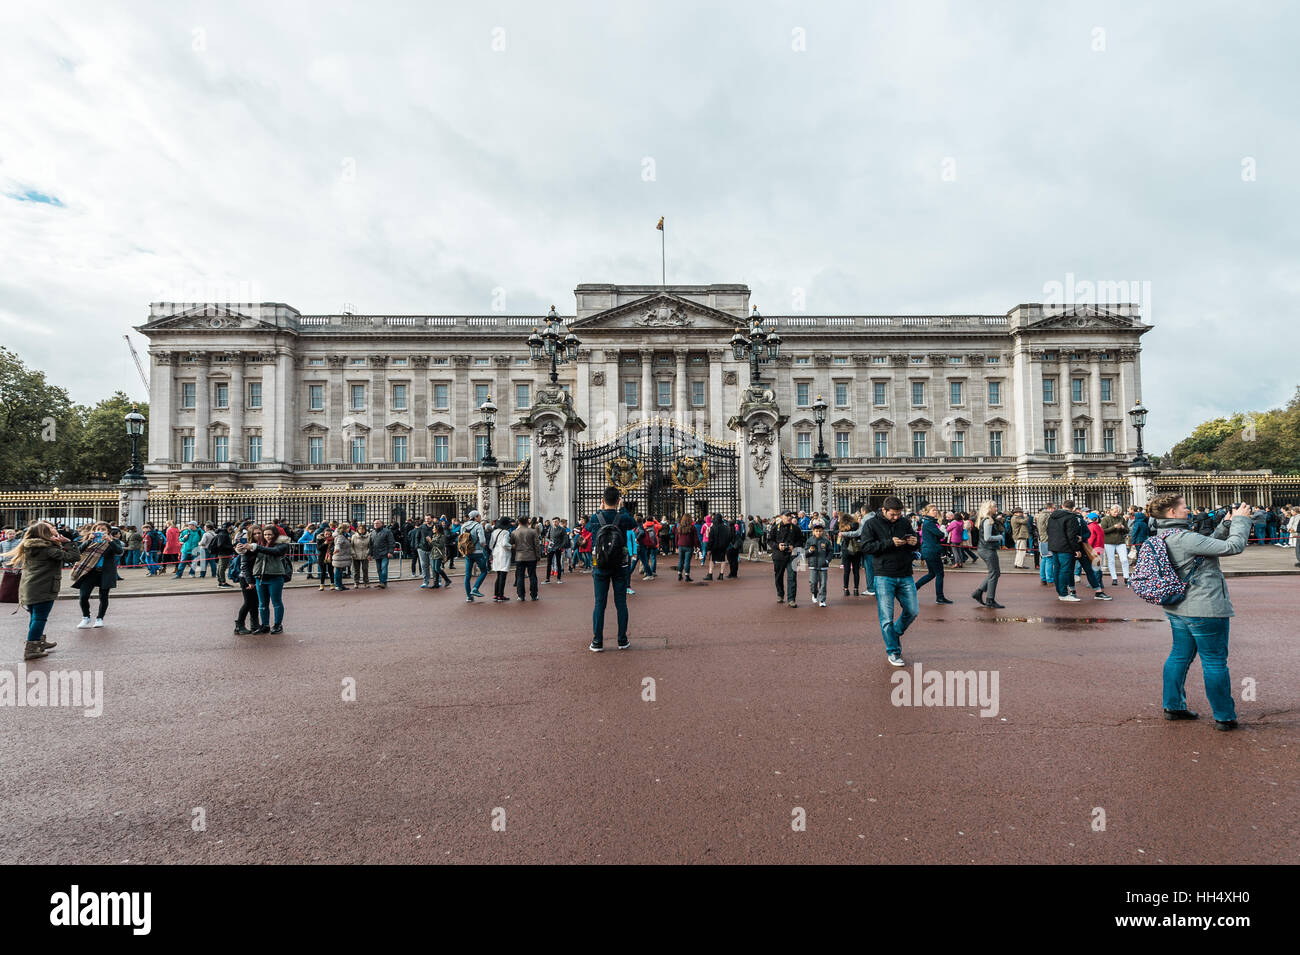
[261,395]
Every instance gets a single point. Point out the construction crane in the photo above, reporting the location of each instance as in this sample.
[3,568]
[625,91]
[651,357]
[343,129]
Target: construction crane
[138,367]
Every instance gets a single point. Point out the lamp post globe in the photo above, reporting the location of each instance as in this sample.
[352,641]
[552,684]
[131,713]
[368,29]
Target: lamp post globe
[135,428]
[489,412]
[1139,415]
[821,458]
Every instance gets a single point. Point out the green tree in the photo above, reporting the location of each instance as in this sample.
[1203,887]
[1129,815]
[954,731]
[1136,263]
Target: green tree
[102,446]
[36,419]
[1269,439]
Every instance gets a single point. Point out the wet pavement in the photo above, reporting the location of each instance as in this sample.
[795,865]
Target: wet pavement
[734,730]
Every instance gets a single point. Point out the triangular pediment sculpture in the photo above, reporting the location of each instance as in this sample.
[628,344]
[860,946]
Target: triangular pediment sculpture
[1084,316]
[661,310]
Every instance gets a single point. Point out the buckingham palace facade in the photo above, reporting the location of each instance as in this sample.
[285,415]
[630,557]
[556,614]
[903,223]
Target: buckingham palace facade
[261,395]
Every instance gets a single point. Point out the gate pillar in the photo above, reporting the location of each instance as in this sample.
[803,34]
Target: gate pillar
[759,422]
[555,426]
[489,485]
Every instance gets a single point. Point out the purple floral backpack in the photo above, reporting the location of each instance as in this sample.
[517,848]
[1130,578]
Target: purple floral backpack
[1154,578]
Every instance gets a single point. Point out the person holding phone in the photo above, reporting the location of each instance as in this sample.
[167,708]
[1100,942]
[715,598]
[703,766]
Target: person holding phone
[890,538]
[96,568]
[270,554]
[40,555]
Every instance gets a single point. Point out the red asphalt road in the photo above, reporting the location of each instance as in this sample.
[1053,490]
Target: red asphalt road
[464,711]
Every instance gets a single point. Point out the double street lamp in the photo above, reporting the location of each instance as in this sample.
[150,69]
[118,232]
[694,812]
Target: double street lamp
[489,412]
[756,345]
[1139,415]
[557,344]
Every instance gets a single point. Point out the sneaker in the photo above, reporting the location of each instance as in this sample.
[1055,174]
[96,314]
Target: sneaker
[424,586]
[822,604]
[1181,714]
[1225,725]
[1069,598]
[688,576]
[791,603]
[277,629]
[943,600]
[241,631]
[261,630]
[476,593]
[780,599]
[469,600]
[995,605]
[1102,596]
[869,593]
[596,646]
[895,660]
[98,624]
[624,644]
[85,622]
[630,592]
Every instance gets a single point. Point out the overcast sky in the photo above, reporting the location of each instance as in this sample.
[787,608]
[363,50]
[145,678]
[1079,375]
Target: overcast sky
[885,158]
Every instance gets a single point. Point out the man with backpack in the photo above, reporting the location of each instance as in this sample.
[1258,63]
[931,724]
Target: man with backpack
[555,542]
[1066,532]
[647,545]
[609,528]
[472,545]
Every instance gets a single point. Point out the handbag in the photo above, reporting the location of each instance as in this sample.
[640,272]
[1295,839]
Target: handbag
[9,586]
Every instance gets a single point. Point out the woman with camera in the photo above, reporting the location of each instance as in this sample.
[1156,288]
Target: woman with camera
[100,547]
[40,556]
[270,556]
[1200,619]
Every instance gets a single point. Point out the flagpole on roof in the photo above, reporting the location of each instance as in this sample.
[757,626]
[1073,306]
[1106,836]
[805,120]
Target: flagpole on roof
[663,260]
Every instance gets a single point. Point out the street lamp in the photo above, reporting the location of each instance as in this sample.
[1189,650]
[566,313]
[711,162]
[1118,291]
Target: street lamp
[489,412]
[755,344]
[135,428]
[1139,415]
[821,458]
[557,344]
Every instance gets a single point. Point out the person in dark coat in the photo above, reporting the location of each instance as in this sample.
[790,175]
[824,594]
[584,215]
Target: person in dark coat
[104,543]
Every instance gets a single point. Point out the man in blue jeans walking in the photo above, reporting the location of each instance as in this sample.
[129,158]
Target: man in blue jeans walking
[1065,533]
[477,558]
[382,543]
[610,570]
[890,539]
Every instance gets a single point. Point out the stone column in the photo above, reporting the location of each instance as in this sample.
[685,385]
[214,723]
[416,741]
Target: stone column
[1094,401]
[162,412]
[582,389]
[823,482]
[489,487]
[647,383]
[237,401]
[1140,484]
[614,411]
[286,407]
[715,392]
[680,406]
[463,411]
[132,497]
[555,426]
[759,422]
[420,416]
[202,410]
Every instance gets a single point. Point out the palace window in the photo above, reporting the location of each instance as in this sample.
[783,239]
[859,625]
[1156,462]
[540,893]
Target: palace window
[882,444]
[254,394]
[399,361]
[187,394]
[399,449]
[316,397]
[399,398]
[480,447]
[995,443]
[918,394]
[523,396]
[954,393]
[442,397]
[801,394]
[1080,440]
[1049,391]
[359,450]
[358,397]
[481,393]
[223,395]
[803,444]
[918,444]
[315,450]
[1076,390]
[357,361]
[187,449]
[954,359]
[803,360]
[995,392]
[315,362]
[841,394]
[841,359]
[254,448]
[958,444]
[841,444]
[878,393]
[221,449]
[1108,440]
[992,359]
[523,446]
[697,394]
[664,393]
[480,362]
[879,359]
[630,393]
[918,359]
[1049,440]
[1108,389]
[441,449]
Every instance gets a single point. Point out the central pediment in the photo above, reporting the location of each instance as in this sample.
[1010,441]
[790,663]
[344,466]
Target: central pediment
[660,311]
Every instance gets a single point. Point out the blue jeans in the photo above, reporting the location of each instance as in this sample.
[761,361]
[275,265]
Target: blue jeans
[151,562]
[1209,636]
[472,561]
[887,590]
[381,567]
[869,568]
[269,590]
[1064,564]
[426,565]
[649,560]
[602,582]
[338,575]
[1046,566]
[933,571]
[684,560]
[37,615]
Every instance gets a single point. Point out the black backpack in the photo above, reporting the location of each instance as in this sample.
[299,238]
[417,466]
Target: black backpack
[609,546]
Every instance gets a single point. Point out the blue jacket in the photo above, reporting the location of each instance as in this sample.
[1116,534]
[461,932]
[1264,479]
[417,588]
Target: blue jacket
[1140,530]
[932,538]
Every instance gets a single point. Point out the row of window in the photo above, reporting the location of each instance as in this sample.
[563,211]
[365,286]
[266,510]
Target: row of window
[356,447]
[1077,386]
[956,445]
[221,394]
[1079,440]
[880,393]
[663,394]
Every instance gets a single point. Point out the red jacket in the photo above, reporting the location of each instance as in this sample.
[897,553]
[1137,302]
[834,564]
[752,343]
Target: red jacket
[686,535]
[1096,537]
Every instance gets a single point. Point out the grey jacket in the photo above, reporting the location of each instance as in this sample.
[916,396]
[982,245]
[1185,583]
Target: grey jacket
[1207,591]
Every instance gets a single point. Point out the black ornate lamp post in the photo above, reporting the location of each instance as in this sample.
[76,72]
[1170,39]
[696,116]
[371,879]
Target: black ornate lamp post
[489,412]
[821,458]
[1139,415]
[135,428]
[755,344]
[557,344]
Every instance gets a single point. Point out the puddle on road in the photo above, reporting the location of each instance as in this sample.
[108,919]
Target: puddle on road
[1071,620]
